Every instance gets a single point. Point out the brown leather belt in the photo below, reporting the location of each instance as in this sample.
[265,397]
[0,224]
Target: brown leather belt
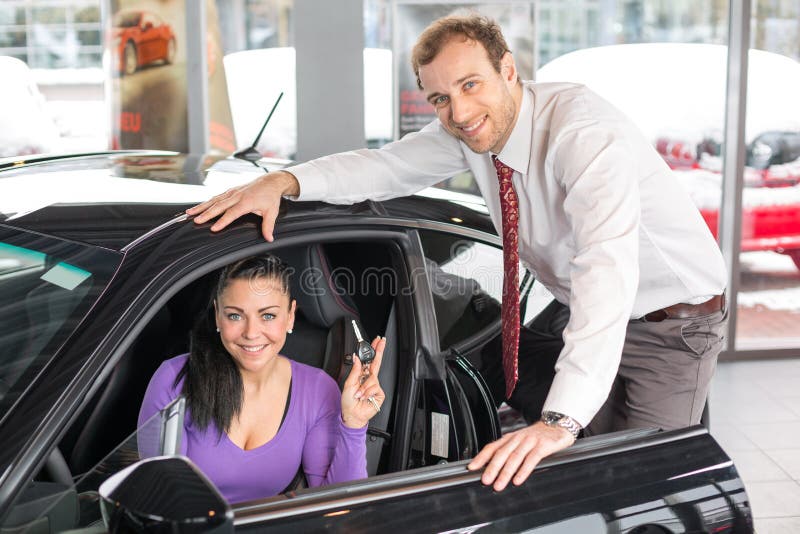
[687,311]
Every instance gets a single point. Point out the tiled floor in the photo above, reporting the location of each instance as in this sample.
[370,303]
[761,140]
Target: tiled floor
[755,416]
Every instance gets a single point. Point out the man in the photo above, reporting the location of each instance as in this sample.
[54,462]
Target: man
[592,211]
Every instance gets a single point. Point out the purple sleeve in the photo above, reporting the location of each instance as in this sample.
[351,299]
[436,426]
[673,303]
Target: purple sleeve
[160,392]
[333,452]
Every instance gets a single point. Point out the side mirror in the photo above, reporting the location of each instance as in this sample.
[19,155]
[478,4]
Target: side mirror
[147,26]
[164,494]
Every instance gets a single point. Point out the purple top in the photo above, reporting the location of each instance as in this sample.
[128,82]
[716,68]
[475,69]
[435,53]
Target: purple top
[312,433]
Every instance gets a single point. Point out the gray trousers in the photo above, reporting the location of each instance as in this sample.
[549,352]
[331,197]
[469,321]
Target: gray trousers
[664,374]
[663,378]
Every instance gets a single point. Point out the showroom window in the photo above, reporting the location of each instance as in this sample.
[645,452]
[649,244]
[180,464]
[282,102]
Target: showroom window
[52,35]
[258,43]
[768,302]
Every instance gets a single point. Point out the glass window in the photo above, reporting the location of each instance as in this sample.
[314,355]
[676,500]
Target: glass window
[11,14]
[49,15]
[89,37]
[769,285]
[466,280]
[466,283]
[46,286]
[52,36]
[259,58]
[88,14]
[12,37]
[58,502]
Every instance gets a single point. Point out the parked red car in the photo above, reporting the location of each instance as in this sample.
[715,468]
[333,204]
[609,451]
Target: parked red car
[141,38]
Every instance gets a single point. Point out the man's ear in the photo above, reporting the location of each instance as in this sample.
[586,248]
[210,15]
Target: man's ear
[508,69]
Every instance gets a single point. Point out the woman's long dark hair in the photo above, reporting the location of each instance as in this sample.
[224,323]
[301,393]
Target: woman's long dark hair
[213,384]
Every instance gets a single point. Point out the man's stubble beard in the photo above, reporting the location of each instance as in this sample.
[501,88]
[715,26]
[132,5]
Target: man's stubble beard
[507,115]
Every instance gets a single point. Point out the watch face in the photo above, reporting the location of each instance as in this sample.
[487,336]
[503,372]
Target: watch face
[550,418]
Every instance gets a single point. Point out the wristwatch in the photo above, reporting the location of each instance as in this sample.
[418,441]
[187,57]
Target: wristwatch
[564,421]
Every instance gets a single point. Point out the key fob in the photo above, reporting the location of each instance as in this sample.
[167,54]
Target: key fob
[364,350]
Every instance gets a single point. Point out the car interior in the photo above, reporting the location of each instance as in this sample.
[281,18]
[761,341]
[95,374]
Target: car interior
[334,284]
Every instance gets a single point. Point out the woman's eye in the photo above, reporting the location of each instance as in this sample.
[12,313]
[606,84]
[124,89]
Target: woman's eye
[234,316]
[469,85]
[268,316]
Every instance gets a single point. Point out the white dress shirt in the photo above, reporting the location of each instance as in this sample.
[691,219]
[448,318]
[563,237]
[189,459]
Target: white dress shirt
[603,223]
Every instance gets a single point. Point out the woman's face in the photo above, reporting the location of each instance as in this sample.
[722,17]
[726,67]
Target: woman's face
[253,316]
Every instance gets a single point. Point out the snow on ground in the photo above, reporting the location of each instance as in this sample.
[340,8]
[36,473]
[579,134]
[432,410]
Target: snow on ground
[762,269]
[772,299]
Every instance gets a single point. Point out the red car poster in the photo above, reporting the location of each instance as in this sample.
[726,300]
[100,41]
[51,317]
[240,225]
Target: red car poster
[147,70]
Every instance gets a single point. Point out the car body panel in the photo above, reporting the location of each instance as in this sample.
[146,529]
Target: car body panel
[605,494]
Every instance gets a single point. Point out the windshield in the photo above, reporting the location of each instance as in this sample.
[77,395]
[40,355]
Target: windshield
[46,287]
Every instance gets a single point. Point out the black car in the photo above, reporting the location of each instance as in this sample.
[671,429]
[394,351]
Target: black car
[101,276]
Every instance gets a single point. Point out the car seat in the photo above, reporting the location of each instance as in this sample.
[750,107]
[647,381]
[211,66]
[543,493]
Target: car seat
[322,330]
[323,335]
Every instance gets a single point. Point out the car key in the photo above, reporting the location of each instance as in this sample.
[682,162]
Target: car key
[365,353]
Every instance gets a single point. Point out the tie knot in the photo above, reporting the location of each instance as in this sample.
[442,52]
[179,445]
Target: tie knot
[503,170]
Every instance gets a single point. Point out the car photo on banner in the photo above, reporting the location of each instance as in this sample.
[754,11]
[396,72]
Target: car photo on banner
[102,275]
[142,38]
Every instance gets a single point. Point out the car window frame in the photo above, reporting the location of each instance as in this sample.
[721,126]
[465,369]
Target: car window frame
[214,257]
[527,282]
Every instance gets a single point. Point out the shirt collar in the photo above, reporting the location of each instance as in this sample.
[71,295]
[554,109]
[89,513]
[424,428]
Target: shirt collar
[517,151]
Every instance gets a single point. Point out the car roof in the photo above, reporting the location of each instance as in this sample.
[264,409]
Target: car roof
[111,199]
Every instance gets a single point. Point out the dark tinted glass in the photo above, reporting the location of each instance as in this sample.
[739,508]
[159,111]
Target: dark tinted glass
[466,279]
[46,287]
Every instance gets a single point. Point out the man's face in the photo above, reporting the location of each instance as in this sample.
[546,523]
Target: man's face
[474,102]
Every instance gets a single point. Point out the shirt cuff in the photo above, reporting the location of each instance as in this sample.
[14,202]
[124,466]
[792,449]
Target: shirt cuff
[582,407]
[312,183]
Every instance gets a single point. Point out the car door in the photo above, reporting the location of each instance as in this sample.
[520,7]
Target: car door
[639,482]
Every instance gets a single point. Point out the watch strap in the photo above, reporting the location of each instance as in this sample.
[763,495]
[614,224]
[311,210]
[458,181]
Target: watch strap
[564,421]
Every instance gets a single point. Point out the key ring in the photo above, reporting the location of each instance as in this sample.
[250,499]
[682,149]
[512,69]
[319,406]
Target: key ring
[374,404]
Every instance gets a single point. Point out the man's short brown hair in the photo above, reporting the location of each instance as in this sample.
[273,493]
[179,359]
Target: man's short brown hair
[470,27]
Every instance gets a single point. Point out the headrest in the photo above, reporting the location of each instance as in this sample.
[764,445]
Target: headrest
[312,286]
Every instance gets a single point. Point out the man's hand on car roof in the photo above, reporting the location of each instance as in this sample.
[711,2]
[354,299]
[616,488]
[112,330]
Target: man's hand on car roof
[262,196]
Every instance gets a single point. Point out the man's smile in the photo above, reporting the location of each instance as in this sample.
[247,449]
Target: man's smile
[472,129]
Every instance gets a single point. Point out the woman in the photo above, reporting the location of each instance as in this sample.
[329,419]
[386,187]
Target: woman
[253,416]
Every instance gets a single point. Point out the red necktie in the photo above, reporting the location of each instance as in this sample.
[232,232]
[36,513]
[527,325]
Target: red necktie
[509,207]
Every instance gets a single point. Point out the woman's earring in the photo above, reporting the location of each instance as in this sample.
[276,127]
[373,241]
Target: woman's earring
[217,329]
[289,331]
